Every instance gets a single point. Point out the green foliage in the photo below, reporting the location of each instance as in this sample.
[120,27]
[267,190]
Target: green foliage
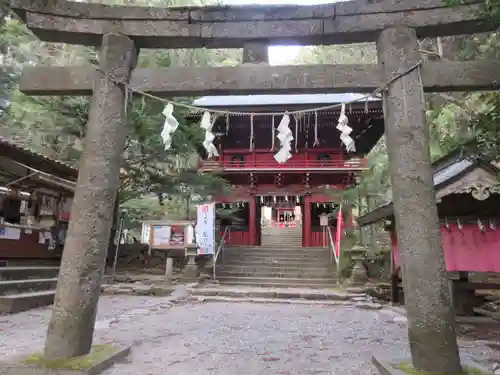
[55,126]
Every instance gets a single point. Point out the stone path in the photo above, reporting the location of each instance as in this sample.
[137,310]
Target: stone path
[233,338]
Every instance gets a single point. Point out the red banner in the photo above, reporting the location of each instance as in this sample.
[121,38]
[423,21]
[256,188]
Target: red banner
[338,234]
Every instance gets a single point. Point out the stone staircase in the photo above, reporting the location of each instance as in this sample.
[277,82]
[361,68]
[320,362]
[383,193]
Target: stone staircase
[281,261]
[23,288]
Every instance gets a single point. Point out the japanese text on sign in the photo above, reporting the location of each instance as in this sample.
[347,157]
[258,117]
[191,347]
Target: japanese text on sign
[205,228]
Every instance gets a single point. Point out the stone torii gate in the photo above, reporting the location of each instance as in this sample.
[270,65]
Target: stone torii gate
[122,31]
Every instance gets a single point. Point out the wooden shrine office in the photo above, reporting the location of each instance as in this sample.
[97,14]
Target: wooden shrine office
[35,198]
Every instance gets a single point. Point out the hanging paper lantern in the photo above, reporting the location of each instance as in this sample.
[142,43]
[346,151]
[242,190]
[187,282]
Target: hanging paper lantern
[171,124]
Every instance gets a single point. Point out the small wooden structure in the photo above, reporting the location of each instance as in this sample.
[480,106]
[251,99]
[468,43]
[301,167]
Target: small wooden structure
[468,200]
[35,202]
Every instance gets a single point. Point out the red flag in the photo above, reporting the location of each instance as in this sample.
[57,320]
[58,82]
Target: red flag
[338,234]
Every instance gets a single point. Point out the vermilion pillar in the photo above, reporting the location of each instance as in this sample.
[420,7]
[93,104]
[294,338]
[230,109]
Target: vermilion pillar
[252,224]
[306,227]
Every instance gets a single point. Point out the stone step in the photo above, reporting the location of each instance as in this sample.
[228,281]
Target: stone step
[277,248]
[23,273]
[274,300]
[271,282]
[260,262]
[24,286]
[272,236]
[289,239]
[282,235]
[15,303]
[263,273]
[283,293]
[282,252]
[282,245]
[276,267]
[296,229]
[276,258]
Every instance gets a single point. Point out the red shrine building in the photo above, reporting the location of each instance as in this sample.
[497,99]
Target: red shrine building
[304,187]
[468,202]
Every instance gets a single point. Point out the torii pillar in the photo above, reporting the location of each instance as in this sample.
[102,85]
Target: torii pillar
[71,326]
[431,316]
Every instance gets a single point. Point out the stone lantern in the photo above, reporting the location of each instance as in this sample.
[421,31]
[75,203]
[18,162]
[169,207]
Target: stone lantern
[358,275]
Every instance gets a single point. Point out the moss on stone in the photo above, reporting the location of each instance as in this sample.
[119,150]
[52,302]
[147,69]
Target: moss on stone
[97,354]
[407,368]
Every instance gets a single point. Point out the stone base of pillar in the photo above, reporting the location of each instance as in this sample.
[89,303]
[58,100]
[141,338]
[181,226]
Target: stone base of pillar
[358,275]
[401,366]
[204,269]
[191,269]
[95,363]
[169,270]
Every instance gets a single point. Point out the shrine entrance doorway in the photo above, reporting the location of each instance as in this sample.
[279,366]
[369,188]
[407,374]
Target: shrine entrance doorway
[286,217]
[281,222]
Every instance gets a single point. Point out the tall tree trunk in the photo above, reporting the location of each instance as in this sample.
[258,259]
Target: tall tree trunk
[431,317]
[71,326]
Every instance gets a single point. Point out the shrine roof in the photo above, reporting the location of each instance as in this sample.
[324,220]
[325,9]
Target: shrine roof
[33,170]
[20,154]
[269,100]
[447,170]
[447,173]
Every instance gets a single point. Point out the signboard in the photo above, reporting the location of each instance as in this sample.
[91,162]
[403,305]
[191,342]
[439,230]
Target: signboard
[205,228]
[323,220]
[168,236]
[161,235]
[145,233]
[7,233]
[177,235]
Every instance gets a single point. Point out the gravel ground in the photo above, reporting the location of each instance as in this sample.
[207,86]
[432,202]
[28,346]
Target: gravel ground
[233,338]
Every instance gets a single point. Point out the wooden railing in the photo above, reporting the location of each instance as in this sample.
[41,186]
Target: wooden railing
[236,165]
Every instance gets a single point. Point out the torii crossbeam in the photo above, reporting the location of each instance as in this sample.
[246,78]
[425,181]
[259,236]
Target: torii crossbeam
[235,26]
